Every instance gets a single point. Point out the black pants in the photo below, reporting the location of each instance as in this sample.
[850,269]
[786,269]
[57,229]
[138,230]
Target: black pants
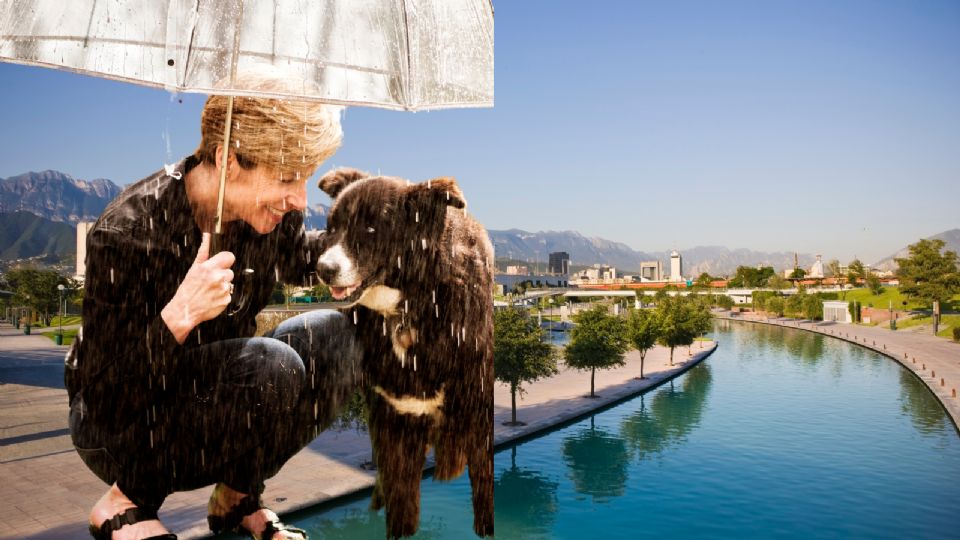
[247,406]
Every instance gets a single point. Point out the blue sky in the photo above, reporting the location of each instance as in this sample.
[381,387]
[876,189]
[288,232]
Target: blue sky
[819,127]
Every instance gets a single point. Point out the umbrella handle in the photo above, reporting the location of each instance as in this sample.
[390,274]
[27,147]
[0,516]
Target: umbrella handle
[240,297]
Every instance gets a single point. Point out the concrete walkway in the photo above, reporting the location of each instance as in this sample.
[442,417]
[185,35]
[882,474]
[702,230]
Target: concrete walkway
[46,491]
[935,360]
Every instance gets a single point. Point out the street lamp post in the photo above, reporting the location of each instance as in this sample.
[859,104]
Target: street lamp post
[60,288]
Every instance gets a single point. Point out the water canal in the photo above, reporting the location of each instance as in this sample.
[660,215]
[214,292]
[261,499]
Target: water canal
[780,433]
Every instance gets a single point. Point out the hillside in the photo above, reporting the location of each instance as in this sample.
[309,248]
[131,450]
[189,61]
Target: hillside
[56,196]
[24,235]
[950,238]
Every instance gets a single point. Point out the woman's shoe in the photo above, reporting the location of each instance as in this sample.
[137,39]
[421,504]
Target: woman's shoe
[131,516]
[248,505]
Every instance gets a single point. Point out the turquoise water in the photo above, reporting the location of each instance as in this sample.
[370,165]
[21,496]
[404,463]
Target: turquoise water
[780,433]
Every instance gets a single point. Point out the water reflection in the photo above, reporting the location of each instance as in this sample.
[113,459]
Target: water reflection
[924,411]
[525,501]
[597,461]
[361,523]
[672,414]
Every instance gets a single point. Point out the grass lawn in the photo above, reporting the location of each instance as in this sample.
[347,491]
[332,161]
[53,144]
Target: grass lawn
[72,319]
[68,335]
[946,323]
[882,301]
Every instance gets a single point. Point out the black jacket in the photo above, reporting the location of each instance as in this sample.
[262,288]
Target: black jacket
[138,253]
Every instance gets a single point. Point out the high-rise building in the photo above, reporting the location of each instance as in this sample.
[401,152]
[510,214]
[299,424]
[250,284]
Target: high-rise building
[82,229]
[676,266]
[651,271]
[559,263]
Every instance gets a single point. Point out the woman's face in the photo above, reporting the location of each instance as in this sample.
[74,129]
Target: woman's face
[259,197]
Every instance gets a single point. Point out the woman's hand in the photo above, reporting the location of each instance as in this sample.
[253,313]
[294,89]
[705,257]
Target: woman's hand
[203,294]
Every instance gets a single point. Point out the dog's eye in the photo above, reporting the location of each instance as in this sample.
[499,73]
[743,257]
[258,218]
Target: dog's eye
[371,229]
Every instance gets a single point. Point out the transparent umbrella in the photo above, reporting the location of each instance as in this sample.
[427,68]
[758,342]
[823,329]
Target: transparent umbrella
[395,54]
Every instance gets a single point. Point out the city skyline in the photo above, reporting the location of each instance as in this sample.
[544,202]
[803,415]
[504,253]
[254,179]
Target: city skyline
[816,128]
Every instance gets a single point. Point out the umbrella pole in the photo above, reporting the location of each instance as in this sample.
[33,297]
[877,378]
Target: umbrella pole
[215,239]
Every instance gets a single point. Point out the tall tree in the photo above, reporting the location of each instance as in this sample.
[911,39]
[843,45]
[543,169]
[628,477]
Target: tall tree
[703,281]
[37,289]
[519,354]
[643,329]
[775,305]
[677,326]
[777,282]
[855,272]
[873,283]
[598,341]
[748,276]
[833,269]
[929,273]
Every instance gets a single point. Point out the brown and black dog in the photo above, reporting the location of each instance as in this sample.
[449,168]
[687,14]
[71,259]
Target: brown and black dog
[418,272]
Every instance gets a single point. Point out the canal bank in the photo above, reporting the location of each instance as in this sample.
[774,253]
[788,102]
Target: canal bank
[933,360]
[564,397]
[46,491]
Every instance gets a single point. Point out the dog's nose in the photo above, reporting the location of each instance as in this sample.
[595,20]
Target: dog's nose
[327,270]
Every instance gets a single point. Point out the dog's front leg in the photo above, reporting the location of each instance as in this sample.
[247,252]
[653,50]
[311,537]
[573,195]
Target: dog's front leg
[401,454]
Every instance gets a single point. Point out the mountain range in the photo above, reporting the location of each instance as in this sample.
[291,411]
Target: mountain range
[39,212]
[951,240]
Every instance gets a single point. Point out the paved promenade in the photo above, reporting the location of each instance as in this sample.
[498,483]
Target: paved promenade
[935,360]
[46,491]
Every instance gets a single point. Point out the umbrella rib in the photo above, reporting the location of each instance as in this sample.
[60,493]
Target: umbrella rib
[193,33]
[408,76]
[93,9]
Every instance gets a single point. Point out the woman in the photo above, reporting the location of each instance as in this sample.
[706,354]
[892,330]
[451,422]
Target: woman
[169,390]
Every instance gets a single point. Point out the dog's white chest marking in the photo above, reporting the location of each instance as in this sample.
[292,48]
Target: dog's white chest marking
[412,405]
[382,299]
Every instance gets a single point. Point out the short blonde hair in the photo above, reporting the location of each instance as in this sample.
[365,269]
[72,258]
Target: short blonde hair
[290,137]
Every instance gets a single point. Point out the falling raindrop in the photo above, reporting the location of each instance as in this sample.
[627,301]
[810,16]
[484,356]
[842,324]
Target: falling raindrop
[434,293]
[437,309]
[406,306]
[414,362]
[354,317]
[384,326]
[398,262]
[416,217]
[111,275]
[423,241]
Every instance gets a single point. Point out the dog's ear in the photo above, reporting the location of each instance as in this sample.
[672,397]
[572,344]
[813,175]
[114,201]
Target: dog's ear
[443,190]
[334,181]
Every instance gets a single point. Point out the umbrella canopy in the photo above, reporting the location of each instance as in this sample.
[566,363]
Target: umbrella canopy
[395,54]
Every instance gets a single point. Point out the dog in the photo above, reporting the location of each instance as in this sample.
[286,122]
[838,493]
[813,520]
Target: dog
[417,272]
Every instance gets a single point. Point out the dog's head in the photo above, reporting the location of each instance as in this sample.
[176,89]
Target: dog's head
[375,224]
